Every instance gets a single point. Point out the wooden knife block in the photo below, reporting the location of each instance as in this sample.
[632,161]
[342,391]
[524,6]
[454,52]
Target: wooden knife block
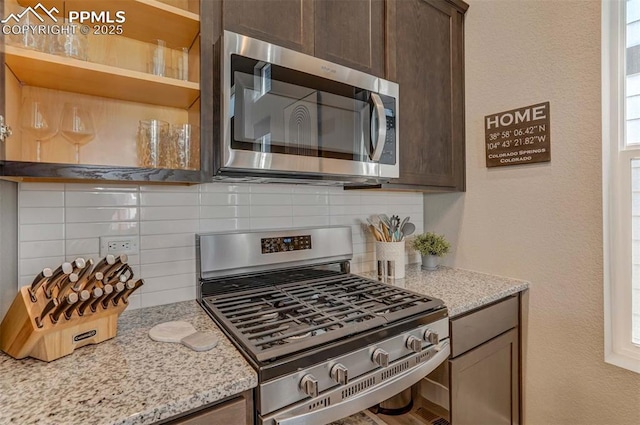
[20,337]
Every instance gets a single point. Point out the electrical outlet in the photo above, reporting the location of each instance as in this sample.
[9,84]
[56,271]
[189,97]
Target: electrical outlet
[117,245]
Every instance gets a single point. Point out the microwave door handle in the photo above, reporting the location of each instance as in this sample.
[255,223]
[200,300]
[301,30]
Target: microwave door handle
[378,111]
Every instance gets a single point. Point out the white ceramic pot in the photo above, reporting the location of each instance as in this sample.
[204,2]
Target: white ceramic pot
[430,262]
[392,251]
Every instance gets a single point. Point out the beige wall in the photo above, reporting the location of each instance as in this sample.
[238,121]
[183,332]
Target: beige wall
[542,222]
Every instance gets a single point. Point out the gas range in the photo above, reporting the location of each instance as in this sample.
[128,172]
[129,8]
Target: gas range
[325,343]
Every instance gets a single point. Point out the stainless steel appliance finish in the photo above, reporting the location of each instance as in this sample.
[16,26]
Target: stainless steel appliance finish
[325,343]
[286,115]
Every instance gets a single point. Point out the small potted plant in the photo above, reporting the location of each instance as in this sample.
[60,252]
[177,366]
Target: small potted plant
[431,246]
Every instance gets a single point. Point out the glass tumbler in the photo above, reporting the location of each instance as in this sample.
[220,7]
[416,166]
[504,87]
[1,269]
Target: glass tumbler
[152,143]
[185,139]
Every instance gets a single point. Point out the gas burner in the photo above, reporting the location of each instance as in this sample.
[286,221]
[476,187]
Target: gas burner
[270,317]
[295,327]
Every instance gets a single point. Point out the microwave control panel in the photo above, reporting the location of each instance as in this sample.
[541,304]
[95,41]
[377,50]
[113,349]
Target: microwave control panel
[285,243]
[389,151]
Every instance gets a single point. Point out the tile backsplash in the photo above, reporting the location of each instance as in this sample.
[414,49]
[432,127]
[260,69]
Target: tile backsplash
[59,222]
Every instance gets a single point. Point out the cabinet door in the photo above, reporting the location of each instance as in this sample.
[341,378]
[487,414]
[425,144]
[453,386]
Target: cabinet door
[2,101]
[351,33]
[101,105]
[287,23]
[484,383]
[427,60]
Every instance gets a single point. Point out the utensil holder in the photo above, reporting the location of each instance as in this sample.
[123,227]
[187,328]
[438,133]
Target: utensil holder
[20,337]
[392,251]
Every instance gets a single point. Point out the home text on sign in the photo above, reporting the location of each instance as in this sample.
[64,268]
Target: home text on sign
[519,136]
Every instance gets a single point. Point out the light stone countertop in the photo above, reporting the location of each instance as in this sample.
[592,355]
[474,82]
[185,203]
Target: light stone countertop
[128,380]
[461,290]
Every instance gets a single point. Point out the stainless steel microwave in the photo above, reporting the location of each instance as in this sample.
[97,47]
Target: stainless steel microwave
[287,115]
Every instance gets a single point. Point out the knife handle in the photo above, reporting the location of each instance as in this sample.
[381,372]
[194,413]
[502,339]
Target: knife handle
[106,290]
[63,270]
[47,308]
[38,281]
[62,308]
[65,284]
[83,276]
[130,288]
[96,293]
[120,262]
[106,262]
[82,297]
[95,280]
[118,288]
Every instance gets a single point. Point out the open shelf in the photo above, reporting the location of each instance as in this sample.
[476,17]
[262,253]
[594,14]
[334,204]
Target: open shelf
[61,73]
[146,20]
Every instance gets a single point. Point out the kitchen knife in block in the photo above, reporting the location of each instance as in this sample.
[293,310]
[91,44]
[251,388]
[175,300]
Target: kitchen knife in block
[20,336]
[42,277]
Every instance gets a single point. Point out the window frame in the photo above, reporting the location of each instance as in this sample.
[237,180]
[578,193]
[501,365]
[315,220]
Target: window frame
[617,193]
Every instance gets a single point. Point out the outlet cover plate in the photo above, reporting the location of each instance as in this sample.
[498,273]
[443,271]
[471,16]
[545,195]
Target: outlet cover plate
[117,245]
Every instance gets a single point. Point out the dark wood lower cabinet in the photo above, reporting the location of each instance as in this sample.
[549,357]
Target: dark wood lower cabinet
[235,411]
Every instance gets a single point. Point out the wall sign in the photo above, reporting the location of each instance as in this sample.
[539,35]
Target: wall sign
[519,136]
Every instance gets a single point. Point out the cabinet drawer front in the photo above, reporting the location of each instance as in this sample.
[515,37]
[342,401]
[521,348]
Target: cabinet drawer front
[232,412]
[473,329]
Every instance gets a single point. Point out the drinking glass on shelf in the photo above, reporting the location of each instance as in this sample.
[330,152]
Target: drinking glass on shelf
[181,59]
[76,125]
[35,119]
[185,139]
[73,45]
[152,143]
[158,54]
[23,36]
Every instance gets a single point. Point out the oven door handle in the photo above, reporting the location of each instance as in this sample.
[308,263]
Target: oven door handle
[369,397]
[378,111]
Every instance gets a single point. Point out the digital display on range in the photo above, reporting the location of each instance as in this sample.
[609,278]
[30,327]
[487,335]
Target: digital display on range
[285,243]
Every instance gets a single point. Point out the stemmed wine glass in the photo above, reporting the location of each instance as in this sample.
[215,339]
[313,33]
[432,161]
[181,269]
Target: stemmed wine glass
[36,120]
[76,125]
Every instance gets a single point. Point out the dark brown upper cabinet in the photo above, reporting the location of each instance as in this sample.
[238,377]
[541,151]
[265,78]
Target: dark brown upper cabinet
[425,55]
[116,88]
[287,23]
[351,33]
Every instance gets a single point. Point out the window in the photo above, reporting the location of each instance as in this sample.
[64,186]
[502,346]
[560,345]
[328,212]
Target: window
[621,180]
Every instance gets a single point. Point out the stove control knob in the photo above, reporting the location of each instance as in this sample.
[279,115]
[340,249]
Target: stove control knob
[414,344]
[380,357]
[309,385]
[340,374]
[431,336]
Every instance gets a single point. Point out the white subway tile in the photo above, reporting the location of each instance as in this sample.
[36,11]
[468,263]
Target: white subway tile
[100,214]
[302,210]
[308,189]
[271,223]
[41,215]
[271,199]
[111,187]
[90,230]
[345,199]
[82,246]
[41,249]
[225,187]
[86,255]
[207,212]
[188,212]
[257,188]
[167,269]
[346,220]
[224,224]
[41,232]
[33,266]
[168,227]
[224,199]
[41,198]
[344,209]
[168,198]
[40,186]
[101,199]
[169,188]
[310,221]
[153,256]
[271,210]
[167,297]
[310,199]
[167,241]
[164,283]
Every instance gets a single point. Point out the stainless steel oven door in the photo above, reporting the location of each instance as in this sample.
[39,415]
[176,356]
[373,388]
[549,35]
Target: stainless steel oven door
[284,112]
[363,392]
